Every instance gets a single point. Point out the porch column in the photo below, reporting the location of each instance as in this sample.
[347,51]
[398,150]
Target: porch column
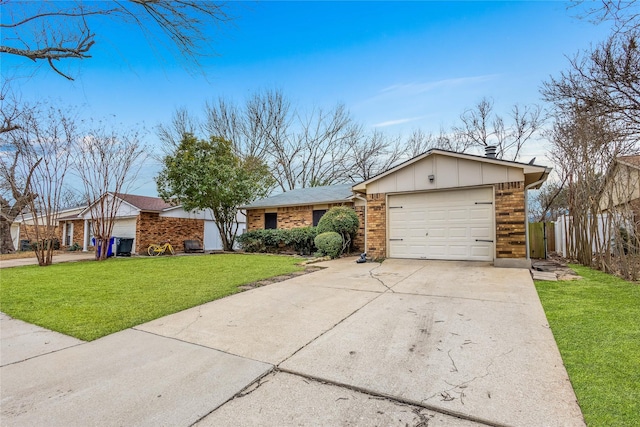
[85,240]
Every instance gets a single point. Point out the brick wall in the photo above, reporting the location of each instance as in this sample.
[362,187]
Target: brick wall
[255,219]
[152,228]
[358,240]
[376,225]
[77,234]
[28,232]
[295,217]
[301,216]
[510,220]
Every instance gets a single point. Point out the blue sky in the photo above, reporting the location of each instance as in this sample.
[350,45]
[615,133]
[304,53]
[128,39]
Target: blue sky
[397,66]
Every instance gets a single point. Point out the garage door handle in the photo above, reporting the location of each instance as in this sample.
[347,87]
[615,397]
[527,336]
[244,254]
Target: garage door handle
[395,240]
[484,203]
[482,240]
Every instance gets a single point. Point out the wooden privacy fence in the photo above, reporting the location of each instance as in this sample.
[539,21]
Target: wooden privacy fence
[542,239]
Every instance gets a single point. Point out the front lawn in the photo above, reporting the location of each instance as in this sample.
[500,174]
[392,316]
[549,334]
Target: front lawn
[596,324]
[89,300]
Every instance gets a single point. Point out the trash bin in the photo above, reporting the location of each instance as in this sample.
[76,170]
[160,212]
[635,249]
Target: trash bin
[124,246]
[112,242]
[25,245]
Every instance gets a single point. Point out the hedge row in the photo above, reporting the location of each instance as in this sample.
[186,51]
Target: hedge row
[299,240]
[332,236]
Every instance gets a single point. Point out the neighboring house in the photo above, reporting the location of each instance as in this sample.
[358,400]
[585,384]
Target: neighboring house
[438,205]
[151,220]
[303,207]
[619,203]
[622,188]
[67,223]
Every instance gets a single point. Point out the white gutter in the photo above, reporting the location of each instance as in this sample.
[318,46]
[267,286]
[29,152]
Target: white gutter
[359,197]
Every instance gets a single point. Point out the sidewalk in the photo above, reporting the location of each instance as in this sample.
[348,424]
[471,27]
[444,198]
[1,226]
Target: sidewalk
[66,257]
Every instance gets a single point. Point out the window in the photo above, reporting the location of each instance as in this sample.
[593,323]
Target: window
[317,215]
[270,221]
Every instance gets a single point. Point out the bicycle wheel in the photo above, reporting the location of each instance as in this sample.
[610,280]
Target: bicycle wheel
[153,250]
[170,250]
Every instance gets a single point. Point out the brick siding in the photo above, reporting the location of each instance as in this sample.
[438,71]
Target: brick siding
[28,232]
[301,216]
[295,217]
[376,225]
[152,228]
[358,240]
[255,219]
[77,234]
[510,220]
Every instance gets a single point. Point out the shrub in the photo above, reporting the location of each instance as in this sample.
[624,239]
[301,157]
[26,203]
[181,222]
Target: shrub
[329,243]
[301,239]
[44,243]
[251,242]
[260,240]
[342,220]
[272,240]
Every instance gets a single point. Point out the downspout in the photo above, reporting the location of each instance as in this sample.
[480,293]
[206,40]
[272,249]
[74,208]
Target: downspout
[526,209]
[359,197]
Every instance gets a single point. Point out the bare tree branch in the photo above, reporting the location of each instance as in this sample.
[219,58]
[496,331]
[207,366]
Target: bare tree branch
[56,31]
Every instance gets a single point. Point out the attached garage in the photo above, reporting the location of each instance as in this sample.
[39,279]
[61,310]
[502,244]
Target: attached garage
[450,206]
[447,225]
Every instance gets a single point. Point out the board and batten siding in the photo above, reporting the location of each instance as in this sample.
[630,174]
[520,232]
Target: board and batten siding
[448,172]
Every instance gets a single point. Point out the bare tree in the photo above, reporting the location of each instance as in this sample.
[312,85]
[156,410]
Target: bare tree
[624,15]
[420,142]
[107,162]
[606,80]
[303,149]
[323,146]
[262,123]
[548,203]
[372,154]
[55,31]
[182,123]
[481,127]
[40,147]
[584,146]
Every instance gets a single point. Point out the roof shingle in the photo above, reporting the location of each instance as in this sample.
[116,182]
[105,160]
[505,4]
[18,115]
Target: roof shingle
[145,203]
[305,196]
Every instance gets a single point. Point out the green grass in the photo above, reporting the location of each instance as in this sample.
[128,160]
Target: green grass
[596,323]
[89,300]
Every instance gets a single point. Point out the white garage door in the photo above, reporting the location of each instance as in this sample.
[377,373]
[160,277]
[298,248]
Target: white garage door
[212,240]
[450,225]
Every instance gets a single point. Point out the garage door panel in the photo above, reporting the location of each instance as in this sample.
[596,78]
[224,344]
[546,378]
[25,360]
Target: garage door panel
[480,251]
[436,233]
[443,225]
[458,214]
[480,213]
[458,251]
[458,233]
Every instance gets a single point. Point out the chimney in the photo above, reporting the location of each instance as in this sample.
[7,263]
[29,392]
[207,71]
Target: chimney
[490,151]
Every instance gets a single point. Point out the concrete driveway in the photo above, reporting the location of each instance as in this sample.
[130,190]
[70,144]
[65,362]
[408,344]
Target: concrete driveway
[400,343]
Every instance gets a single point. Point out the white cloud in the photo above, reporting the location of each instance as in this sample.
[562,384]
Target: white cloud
[416,88]
[396,122]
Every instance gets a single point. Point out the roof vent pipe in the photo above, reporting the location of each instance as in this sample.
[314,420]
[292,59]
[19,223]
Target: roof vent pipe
[490,151]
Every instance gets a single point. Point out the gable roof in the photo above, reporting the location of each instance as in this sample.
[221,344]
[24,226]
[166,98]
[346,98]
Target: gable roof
[633,161]
[305,196]
[535,172]
[144,203]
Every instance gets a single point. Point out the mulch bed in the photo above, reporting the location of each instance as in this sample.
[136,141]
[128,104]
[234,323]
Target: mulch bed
[308,269]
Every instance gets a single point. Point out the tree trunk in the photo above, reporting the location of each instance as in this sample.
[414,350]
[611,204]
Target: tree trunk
[6,242]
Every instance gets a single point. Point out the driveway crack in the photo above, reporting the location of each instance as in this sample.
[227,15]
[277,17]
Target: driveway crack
[445,393]
[378,279]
